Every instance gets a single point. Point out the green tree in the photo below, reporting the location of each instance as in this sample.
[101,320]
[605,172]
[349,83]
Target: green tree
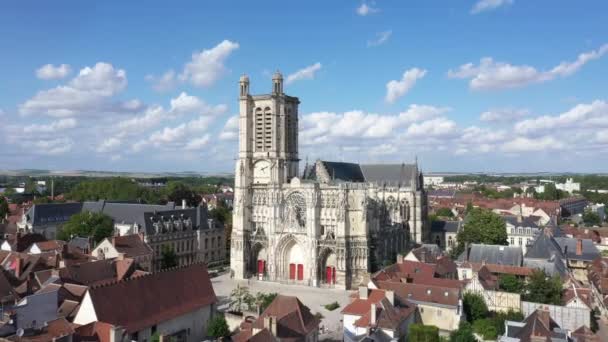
[8,192]
[3,208]
[241,298]
[463,334]
[591,219]
[423,333]
[510,283]
[178,191]
[221,213]
[541,288]
[485,327]
[168,258]
[218,327]
[263,300]
[482,226]
[97,226]
[444,212]
[500,318]
[474,306]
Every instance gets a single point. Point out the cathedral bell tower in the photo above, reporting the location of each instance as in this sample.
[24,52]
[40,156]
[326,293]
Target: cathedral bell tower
[268,156]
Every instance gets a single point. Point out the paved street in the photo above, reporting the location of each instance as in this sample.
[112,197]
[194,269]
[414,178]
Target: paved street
[314,298]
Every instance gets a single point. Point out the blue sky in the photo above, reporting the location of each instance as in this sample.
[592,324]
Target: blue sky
[490,85]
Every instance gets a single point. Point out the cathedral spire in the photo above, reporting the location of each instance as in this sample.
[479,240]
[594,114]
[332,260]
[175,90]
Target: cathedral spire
[277,83]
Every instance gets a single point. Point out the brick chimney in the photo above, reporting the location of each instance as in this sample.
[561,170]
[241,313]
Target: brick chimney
[372,320]
[17,267]
[579,247]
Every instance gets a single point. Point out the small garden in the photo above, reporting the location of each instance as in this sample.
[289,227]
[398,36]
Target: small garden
[487,324]
[331,306]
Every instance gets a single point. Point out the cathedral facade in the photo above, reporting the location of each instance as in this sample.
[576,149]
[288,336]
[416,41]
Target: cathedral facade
[329,226]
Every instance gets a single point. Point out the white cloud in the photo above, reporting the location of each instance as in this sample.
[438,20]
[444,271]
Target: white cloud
[231,129]
[198,143]
[109,144]
[524,144]
[381,38]
[180,137]
[54,126]
[591,115]
[87,92]
[396,89]
[307,73]
[487,5]
[55,146]
[366,9]
[165,82]
[207,66]
[490,74]
[51,72]
[432,128]
[503,114]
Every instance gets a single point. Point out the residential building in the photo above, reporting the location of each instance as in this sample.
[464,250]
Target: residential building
[444,233]
[189,232]
[539,326]
[437,305]
[176,303]
[130,246]
[599,209]
[377,315]
[598,279]
[285,319]
[348,211]
[51,246]
[521,231]
[572,206]
[492,254]
[433,180]
[546,254]
[47,219]
[569,186]
[99,272]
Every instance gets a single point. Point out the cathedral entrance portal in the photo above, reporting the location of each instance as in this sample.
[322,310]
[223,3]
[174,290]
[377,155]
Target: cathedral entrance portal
[291,261]
[259,267]
[328,267]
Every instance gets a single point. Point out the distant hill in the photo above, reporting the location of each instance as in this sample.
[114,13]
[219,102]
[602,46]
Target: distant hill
[92,173]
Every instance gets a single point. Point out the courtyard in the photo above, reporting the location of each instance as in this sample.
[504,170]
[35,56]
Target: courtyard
[313,297]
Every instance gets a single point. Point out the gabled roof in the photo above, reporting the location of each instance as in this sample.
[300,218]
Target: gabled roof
[52,213]
[425,294]
[539,324]
[446,226]
[97,272]
[131,245]
[294,319]
[569,245]
[148,300]
[584,334]
[493,254]
[520,221]
[48,246]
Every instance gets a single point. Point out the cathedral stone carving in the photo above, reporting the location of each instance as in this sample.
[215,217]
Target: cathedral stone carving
[329,226]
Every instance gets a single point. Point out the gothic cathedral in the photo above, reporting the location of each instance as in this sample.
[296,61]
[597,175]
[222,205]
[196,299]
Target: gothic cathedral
[330,225]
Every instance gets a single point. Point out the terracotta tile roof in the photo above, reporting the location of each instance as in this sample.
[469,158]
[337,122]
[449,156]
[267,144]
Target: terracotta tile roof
[97,272]
[503,269]
[51,245]
[420,293]
[538,324]
[294,319]
[361,306]
[584,334]
[149,300]
[25,241]
[585,295]
[405,269]
[131,245]
[55,330]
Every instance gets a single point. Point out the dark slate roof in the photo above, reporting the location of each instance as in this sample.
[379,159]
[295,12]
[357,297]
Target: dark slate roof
[446,226]
[544,247]
[589,252]
[552,266]
[51,213]
[526,222]
[126,212]
[390,173]
[80,243]
[495,254]
[198,216]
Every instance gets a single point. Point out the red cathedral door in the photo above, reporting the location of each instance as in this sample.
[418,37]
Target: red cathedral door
[300,272]
[333,275]
[292,271]
[261,266]
[328,274]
